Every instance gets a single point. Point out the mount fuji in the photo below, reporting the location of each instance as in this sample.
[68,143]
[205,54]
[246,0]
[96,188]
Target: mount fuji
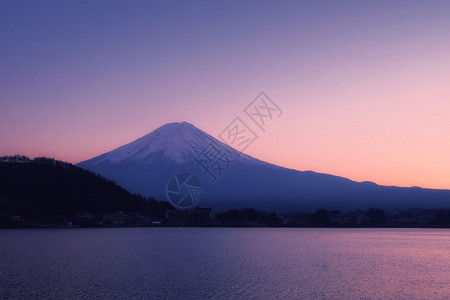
[234,180]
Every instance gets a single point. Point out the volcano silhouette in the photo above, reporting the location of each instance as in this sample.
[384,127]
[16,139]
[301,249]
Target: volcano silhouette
[147,164]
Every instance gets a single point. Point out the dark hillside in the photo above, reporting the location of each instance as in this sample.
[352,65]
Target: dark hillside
[46,189]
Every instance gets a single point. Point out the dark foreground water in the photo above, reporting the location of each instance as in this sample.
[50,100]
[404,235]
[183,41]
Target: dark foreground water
[222,263]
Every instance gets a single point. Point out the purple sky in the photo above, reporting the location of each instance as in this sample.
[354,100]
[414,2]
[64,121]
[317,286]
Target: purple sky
[364,84]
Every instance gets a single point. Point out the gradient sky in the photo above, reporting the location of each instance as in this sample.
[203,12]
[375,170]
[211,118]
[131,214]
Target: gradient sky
[364,85]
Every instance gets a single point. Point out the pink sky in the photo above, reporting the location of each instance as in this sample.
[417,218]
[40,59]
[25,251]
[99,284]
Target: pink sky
[365,91]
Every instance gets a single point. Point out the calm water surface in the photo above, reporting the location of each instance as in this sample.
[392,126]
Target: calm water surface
[225,263]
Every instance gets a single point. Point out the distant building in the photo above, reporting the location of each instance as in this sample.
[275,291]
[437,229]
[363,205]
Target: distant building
[14,159]
[200,216]
[296,219]
[115,219]
[85,219]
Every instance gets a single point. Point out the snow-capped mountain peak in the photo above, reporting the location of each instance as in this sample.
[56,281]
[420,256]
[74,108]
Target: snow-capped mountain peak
[178,142]
[147,165]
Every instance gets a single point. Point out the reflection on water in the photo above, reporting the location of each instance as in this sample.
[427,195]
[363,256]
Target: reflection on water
[193,263]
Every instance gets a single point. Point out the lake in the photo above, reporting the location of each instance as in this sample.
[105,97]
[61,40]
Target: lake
[225,263]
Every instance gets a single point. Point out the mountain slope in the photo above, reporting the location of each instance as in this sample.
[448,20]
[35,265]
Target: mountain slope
[47,190]
[146,165]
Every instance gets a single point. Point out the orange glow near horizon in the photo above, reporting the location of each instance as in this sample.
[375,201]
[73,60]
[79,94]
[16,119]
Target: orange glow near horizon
[365,91]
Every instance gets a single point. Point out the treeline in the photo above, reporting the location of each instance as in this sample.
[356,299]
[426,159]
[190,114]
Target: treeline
[51,191]
[48,192]
[373,217]
[247,218]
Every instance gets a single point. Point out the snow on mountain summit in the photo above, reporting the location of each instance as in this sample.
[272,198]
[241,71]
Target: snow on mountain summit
[178,142]
[147,165]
